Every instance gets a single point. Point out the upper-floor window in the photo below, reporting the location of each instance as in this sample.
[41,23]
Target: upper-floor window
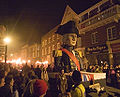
[42,52]
[53,47]
[45,51]
[49,40]
[38,51]
[112,33]
[105,6]
[93,12]
[94,38]
[43,44]
[53,37]
[49,50]
[85,16]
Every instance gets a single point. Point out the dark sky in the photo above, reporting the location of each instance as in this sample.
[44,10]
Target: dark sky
[28,20]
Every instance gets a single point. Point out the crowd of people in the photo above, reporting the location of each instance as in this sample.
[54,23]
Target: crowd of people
[35,82]
[112,73]
[24,82]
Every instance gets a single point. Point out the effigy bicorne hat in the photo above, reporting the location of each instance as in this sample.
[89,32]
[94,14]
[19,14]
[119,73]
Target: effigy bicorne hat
[67,28]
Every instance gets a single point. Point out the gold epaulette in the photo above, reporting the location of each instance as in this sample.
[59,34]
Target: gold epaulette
[58,53]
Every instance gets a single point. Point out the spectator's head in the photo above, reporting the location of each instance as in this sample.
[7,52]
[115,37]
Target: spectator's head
[9,80]
[31,74]
[76,76]
[62,71]
[40,88]
[36,88]
[7,69]
[2,78]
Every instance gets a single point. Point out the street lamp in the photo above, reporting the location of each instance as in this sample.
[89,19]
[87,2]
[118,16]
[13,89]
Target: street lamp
[7,41]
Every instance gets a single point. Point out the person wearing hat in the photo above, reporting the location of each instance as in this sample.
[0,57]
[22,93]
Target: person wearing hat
[67,57]
[35,88]
[78,89]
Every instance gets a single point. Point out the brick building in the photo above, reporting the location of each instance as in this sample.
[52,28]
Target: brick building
[2,45]
[50,42]
[99,27]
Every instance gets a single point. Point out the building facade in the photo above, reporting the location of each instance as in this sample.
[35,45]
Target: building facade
[50,42]
[99,27]
[2,45]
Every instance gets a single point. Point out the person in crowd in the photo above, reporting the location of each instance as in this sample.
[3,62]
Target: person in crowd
[7,89]
[31,75]
[67,57]
[89,68]
[2,78]
[2,81]
[35,88]
[118,78]
[62,83]
[7,69]
[19,82]
[44,74]
[78,90]
[111,80]
[38,71]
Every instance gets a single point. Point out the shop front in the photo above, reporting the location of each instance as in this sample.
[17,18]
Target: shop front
[116,52]
[97,54]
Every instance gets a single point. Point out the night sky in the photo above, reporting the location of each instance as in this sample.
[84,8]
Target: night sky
[29,20]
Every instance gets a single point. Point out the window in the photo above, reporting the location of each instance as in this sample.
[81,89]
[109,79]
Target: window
[93,12]
[38,51]
[45,51]
[49,50]
[33,49]
[85,17]
[45,42]
[53,47]
[94,38]
[111,33]
[42,52]
[105,6]
[53,37]
[49,40]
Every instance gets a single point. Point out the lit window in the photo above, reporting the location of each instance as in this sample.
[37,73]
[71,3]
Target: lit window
[94,38]
[45,42]
[57,36]
[111,33]
[49,39]
[45,51]
[53,47]
[49,50]
[42,43]
[53,37]
[42,52]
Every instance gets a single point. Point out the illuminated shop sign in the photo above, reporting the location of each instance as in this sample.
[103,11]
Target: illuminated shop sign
[97,49]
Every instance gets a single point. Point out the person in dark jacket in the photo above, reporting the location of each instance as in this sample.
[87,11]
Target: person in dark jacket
[7,89]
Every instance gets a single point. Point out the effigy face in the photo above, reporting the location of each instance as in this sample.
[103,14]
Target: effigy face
[70,39]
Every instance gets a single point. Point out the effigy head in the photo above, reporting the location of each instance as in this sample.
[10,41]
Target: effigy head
[69,32]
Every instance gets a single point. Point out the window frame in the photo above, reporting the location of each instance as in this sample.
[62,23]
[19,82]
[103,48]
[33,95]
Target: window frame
[95,37]
[111,32]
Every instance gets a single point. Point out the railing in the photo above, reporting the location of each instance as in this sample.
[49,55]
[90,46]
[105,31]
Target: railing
[100,16]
